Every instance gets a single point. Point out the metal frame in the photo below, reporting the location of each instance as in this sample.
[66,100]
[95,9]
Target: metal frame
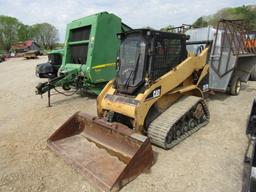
[235,34]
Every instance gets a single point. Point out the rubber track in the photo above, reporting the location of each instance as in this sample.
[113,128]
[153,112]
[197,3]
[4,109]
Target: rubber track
[159,128]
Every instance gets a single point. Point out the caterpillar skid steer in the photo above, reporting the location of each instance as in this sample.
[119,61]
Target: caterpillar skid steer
[155,98]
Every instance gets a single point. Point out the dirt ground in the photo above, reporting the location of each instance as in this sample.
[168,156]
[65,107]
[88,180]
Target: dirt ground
[210,160]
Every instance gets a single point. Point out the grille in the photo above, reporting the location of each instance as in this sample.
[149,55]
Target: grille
[167,56]
[78,54]
[80,34]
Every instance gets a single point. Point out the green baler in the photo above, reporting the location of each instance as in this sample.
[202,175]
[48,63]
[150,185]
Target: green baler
[90,51]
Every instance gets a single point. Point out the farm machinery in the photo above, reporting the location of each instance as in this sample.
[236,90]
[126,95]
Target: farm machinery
[156,97]
[32,54]
[90,51]
[50,69]
[231,61]
[251,45]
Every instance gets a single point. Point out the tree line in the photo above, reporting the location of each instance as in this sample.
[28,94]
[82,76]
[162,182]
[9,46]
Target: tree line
[13,31]
[246,13]
[46,35]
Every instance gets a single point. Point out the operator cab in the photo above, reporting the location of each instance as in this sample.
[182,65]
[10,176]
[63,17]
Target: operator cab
[145,55]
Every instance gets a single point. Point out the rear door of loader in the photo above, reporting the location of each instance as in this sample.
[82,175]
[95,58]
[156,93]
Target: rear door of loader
[222,62]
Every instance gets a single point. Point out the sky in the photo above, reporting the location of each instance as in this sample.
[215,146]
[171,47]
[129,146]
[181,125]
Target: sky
[136,14]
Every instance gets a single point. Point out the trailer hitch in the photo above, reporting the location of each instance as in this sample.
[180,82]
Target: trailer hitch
[42,88]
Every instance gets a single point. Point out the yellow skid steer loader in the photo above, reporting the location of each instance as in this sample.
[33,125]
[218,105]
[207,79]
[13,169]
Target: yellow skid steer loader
[155,98]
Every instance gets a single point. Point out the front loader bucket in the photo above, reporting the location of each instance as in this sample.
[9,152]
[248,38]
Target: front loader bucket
[109,154]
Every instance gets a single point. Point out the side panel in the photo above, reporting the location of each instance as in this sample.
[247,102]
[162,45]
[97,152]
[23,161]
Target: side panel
[169,84]
[222,63]
[219,81]
[105,48]
[244,67]
[200,34]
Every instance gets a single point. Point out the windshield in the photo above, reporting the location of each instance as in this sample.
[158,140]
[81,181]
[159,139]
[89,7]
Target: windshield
[131,63]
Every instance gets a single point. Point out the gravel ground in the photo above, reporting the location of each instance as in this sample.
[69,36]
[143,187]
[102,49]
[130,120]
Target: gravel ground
[210,160]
